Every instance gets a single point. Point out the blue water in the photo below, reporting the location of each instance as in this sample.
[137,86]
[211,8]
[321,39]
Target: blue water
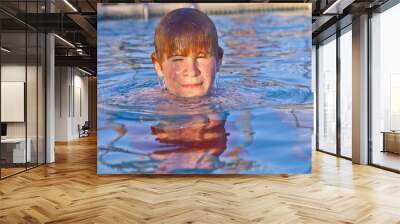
[257,120]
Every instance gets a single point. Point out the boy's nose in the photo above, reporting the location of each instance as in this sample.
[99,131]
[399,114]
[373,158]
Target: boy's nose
[191,68]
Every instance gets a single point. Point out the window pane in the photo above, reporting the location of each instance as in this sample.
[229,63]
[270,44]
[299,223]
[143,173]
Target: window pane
[327,97]
[31,97]
[386,89]
[13,86]
[41,99]
[346,93]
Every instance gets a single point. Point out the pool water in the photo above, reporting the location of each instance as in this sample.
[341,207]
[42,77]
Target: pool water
[257,120]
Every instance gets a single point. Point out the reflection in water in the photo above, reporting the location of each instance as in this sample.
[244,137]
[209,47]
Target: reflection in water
[194,143]
[258,120]
[188,143]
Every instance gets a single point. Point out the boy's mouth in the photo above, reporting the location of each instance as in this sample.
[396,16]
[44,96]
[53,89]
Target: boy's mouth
[192,85]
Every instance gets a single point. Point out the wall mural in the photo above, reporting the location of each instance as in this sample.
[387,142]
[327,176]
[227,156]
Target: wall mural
[204,88]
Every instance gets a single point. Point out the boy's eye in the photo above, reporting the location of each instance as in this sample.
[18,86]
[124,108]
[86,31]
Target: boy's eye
[175,59]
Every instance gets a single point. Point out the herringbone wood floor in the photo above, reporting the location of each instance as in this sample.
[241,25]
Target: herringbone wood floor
[70,191]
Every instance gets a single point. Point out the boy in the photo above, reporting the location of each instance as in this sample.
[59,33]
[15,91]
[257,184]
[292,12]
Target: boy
[187,55]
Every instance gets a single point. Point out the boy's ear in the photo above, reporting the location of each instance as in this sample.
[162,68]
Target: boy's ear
[220,53]
[219,58]
[157,65]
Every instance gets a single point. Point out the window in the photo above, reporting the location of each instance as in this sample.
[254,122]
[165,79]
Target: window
[22,88]
[346,92]
[385,89]
[327,96]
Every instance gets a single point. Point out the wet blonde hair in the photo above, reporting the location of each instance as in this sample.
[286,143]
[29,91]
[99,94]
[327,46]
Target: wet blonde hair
[185,31]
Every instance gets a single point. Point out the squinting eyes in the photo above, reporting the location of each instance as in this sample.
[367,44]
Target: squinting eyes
[177,59]
[180,58]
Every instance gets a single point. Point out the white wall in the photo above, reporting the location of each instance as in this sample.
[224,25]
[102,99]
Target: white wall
[71,87]
[62,81]
[81,89]
[12,73]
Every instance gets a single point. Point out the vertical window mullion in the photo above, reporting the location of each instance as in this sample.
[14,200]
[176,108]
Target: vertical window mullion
[37,88]
[369,78]
[317,97]
[26,85]
[338,80]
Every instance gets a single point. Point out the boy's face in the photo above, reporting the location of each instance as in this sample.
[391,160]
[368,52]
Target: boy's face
[189,75]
